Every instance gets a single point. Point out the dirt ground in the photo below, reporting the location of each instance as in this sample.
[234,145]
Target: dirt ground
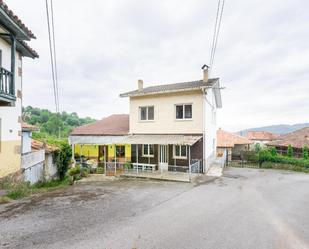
[246,208]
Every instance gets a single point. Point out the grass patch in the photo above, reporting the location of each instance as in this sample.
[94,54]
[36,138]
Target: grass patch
[23,189]
[4,199]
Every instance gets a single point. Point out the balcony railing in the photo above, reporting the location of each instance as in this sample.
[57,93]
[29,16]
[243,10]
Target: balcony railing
[7,93]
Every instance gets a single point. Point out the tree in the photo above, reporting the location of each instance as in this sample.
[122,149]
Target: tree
[290,151]
[305,152]
[257,147]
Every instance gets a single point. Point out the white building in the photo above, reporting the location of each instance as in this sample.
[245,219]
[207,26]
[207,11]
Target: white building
[13,33]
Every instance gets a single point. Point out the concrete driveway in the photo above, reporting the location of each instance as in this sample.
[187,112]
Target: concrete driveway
[246,208]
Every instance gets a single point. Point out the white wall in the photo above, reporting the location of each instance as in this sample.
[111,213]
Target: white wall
[9,115]
[26,142]
[164,114]
[210,119]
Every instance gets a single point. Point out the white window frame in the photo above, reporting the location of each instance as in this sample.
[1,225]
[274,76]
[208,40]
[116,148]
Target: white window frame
[180,156]
[140,113]
[183,112]
[148,155]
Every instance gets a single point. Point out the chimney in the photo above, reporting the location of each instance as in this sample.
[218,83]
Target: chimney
[140,84]
[205,73]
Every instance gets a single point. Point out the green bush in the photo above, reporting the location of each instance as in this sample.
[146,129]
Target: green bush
[272,151]
[257,147]
[290,151]
[85,172]
[100,170]
[19,190]
[74,171]
[305,152]
[62,159]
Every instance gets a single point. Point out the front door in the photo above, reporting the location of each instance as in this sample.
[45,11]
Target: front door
[163,157]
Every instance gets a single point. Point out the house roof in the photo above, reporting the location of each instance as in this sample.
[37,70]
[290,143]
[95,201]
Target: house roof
[115,125]
[6,13]
[175,87]
[38,145]
[28,127]
[297,139]
[261,135]
[228,139]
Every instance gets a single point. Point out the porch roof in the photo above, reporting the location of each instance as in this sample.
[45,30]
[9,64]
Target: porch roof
[97,140]
[162,139]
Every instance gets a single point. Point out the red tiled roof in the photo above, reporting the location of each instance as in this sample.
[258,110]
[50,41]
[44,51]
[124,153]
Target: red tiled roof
[16,19]
[261,135]
[117,124]
[38,145]
[297,139]
[28,127]
[227,139]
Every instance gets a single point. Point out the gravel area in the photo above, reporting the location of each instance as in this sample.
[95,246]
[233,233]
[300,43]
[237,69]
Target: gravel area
[246,208]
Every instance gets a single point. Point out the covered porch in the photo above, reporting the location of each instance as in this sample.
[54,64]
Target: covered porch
[165,156]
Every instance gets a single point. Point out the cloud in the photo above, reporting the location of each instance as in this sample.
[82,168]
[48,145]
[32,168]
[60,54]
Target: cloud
[105,46]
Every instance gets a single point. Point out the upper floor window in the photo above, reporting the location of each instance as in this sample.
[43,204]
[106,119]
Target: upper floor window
[148,150]
[184,111]
[146,113]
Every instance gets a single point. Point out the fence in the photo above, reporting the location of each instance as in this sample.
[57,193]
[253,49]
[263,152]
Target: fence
[33,164]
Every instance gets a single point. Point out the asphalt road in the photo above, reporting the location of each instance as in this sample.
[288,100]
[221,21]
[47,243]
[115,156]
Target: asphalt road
[245,209]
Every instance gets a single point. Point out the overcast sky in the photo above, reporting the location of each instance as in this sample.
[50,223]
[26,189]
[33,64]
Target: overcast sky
[104,47]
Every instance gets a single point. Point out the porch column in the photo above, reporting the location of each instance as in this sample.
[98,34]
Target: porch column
[13,52]
[81,153]
[73,157]
[105,160]
[189,157]
[115,160]
[137,158]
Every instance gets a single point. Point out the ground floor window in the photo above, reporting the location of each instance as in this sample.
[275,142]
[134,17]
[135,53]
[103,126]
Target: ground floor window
[120,151]
[148,150]
[180,151]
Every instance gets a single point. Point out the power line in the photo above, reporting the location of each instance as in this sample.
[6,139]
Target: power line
[216,32]
[55,54]
[51,55]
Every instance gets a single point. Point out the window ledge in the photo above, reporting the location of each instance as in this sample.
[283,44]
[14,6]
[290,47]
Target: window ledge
[180,157]
[185,119]
[148,156]
[146,121]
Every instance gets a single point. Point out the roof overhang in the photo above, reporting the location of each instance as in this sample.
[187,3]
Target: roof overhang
[136,139]
[97,140]
[11,25]
[160,92]
[217,93]
[22,47]
[162,139]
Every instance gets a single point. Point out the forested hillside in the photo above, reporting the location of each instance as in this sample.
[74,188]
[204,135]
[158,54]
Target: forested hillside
[49,122]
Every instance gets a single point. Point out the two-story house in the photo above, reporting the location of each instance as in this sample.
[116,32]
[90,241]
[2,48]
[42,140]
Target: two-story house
[13,34]
[174,125]
[170,128]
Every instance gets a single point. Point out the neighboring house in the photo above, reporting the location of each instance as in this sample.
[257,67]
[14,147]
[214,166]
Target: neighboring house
[13,33]
[174,125]
[169,128]
[297,139]
[261,137]
[102,141]
[232,143]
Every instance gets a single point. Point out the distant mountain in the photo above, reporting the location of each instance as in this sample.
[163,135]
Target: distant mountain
[278,129]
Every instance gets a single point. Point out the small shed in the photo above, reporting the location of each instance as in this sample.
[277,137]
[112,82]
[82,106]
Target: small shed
[232,143]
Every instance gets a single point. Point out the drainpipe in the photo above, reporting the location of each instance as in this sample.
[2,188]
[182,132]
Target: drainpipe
[204,130]
[13,51]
